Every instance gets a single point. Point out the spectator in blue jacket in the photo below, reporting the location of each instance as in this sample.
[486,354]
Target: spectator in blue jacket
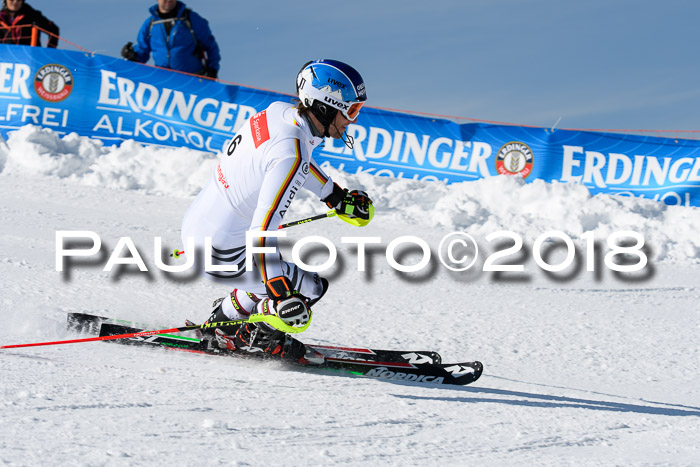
[179,39]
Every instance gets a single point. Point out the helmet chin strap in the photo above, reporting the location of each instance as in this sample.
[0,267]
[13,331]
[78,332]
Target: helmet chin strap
[345,137]
[326,117]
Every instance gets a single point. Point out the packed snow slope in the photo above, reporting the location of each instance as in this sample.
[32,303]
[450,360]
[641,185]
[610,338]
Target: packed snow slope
[585,367]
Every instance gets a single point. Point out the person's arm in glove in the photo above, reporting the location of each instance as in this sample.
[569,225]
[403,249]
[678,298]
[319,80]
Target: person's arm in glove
[129,53]
[353,203]
[210,73]
[290,306]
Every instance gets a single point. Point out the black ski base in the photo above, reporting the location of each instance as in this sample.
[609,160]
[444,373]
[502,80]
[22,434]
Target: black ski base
[415,366]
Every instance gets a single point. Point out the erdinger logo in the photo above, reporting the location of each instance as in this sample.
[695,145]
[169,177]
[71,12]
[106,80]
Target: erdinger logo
[53,82]
[514,158]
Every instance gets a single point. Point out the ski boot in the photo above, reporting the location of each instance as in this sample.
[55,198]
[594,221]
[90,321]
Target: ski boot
[259,340]
[207,334]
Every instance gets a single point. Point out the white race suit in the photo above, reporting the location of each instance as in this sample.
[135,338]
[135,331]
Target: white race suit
[255,181]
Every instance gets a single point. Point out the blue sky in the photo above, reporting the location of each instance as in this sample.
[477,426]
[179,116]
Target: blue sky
[613,64]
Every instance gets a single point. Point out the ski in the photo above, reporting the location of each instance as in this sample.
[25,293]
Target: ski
[459,374]
[84,323]
[452,373]
[90,324]
[384,364]
[376,355]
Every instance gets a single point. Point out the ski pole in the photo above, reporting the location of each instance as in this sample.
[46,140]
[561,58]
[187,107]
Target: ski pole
[331,213]
[272,320]
[177,252]
[130,334]
[356,221]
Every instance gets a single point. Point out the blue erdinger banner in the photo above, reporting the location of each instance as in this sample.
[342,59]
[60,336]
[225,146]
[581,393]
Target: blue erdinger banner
[397,145]
[116,100]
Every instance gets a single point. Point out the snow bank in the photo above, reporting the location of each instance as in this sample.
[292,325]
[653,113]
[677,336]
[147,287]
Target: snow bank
[35,151]
[479,207]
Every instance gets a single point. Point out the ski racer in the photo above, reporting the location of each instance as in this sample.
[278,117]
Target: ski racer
[256,179]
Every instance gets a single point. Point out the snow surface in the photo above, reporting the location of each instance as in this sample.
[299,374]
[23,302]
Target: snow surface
[581,367]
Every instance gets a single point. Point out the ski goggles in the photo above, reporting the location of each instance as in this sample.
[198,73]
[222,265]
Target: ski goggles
[353,111]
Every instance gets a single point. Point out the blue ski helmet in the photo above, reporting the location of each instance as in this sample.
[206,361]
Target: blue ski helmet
[327,85]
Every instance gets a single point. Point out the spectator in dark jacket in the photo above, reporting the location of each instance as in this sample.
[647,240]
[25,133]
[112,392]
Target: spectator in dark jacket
[179,39]
[14,15]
